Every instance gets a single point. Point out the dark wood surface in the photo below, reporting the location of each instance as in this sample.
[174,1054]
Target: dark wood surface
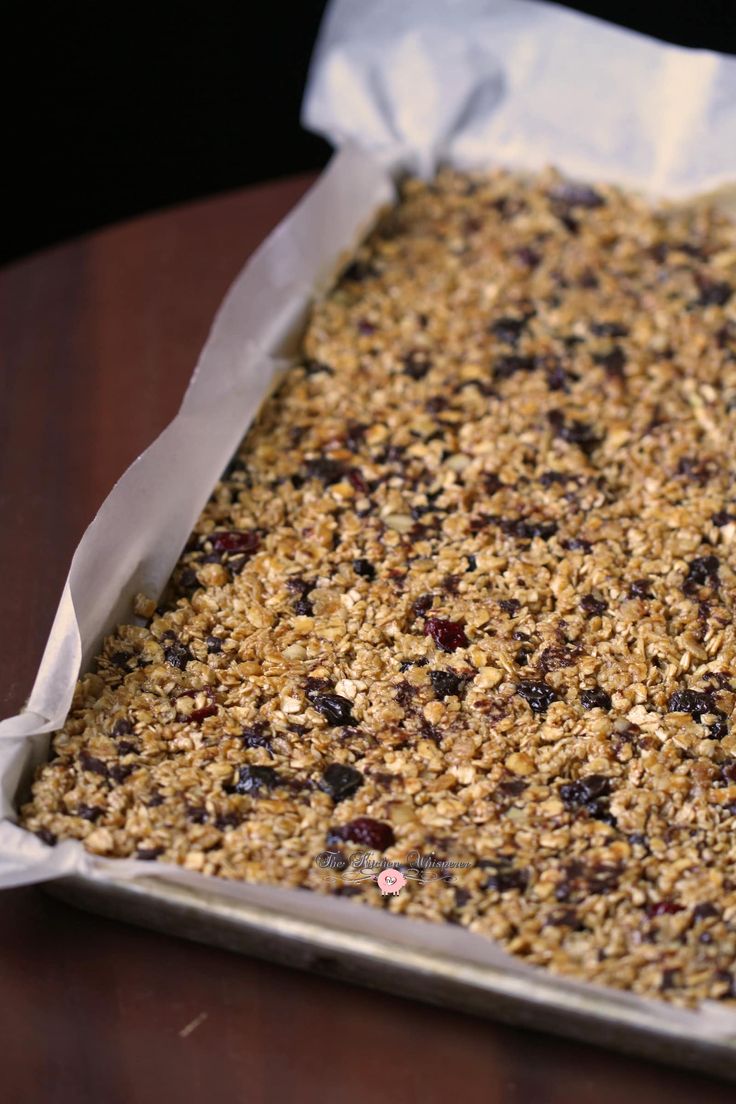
[97,341]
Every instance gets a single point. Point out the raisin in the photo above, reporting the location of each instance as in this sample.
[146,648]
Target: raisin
[492,483]
[303,607]
[447,635]
[177,655]
[521,529]
[508,330]
[239,541]
[314,367]
[705,910]
[328,471]
[609,329]
[640,589]
[513,788]
[89,812]
[576,195]
[472,564]
[148,854]
[335,709]
[537,695]
[721,518]
[92,764]
[587,789]
[577,544]
[595,698]
[122,728]
[694,702]
[593,606]
[530,258]
[446,683]
[511,606]
[252,779]
[574,432]
[365,569]
[357,271]
[214,645]
[506,878]
[507,366]
[612,363]
[713,293]
[366,831]
[256,736]
[703,571]
[416,365]
[557,377]
[341,781]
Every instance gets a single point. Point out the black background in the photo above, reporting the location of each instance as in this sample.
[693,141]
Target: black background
[109,112]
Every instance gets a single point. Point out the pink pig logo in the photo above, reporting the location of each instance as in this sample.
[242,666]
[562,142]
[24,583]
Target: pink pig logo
[391,881]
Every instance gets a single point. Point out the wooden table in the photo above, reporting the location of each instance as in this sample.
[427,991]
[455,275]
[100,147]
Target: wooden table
[97,341]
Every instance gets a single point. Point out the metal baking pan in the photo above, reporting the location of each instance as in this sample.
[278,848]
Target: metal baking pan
[333,949]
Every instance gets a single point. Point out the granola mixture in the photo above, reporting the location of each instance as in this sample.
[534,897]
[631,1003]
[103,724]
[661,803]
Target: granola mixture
[467,587]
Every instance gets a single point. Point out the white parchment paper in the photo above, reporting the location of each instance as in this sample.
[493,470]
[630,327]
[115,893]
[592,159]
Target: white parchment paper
[394,85]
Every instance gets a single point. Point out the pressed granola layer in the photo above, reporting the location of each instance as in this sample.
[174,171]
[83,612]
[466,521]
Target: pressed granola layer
[466,589]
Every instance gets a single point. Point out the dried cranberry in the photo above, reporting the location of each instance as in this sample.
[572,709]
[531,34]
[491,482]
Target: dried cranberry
[341,781]
[537,695]
[335,709]
[663,908]
[595,698]
[364,568]
[252,779]
[447,635]
[199,715]
[366,831]
[640,589]
[235,540]
[593,606]
[177,655]
[446,683]
[357,482]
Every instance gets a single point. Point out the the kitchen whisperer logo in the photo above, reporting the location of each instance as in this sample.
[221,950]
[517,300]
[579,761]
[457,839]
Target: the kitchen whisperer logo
[389,876]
